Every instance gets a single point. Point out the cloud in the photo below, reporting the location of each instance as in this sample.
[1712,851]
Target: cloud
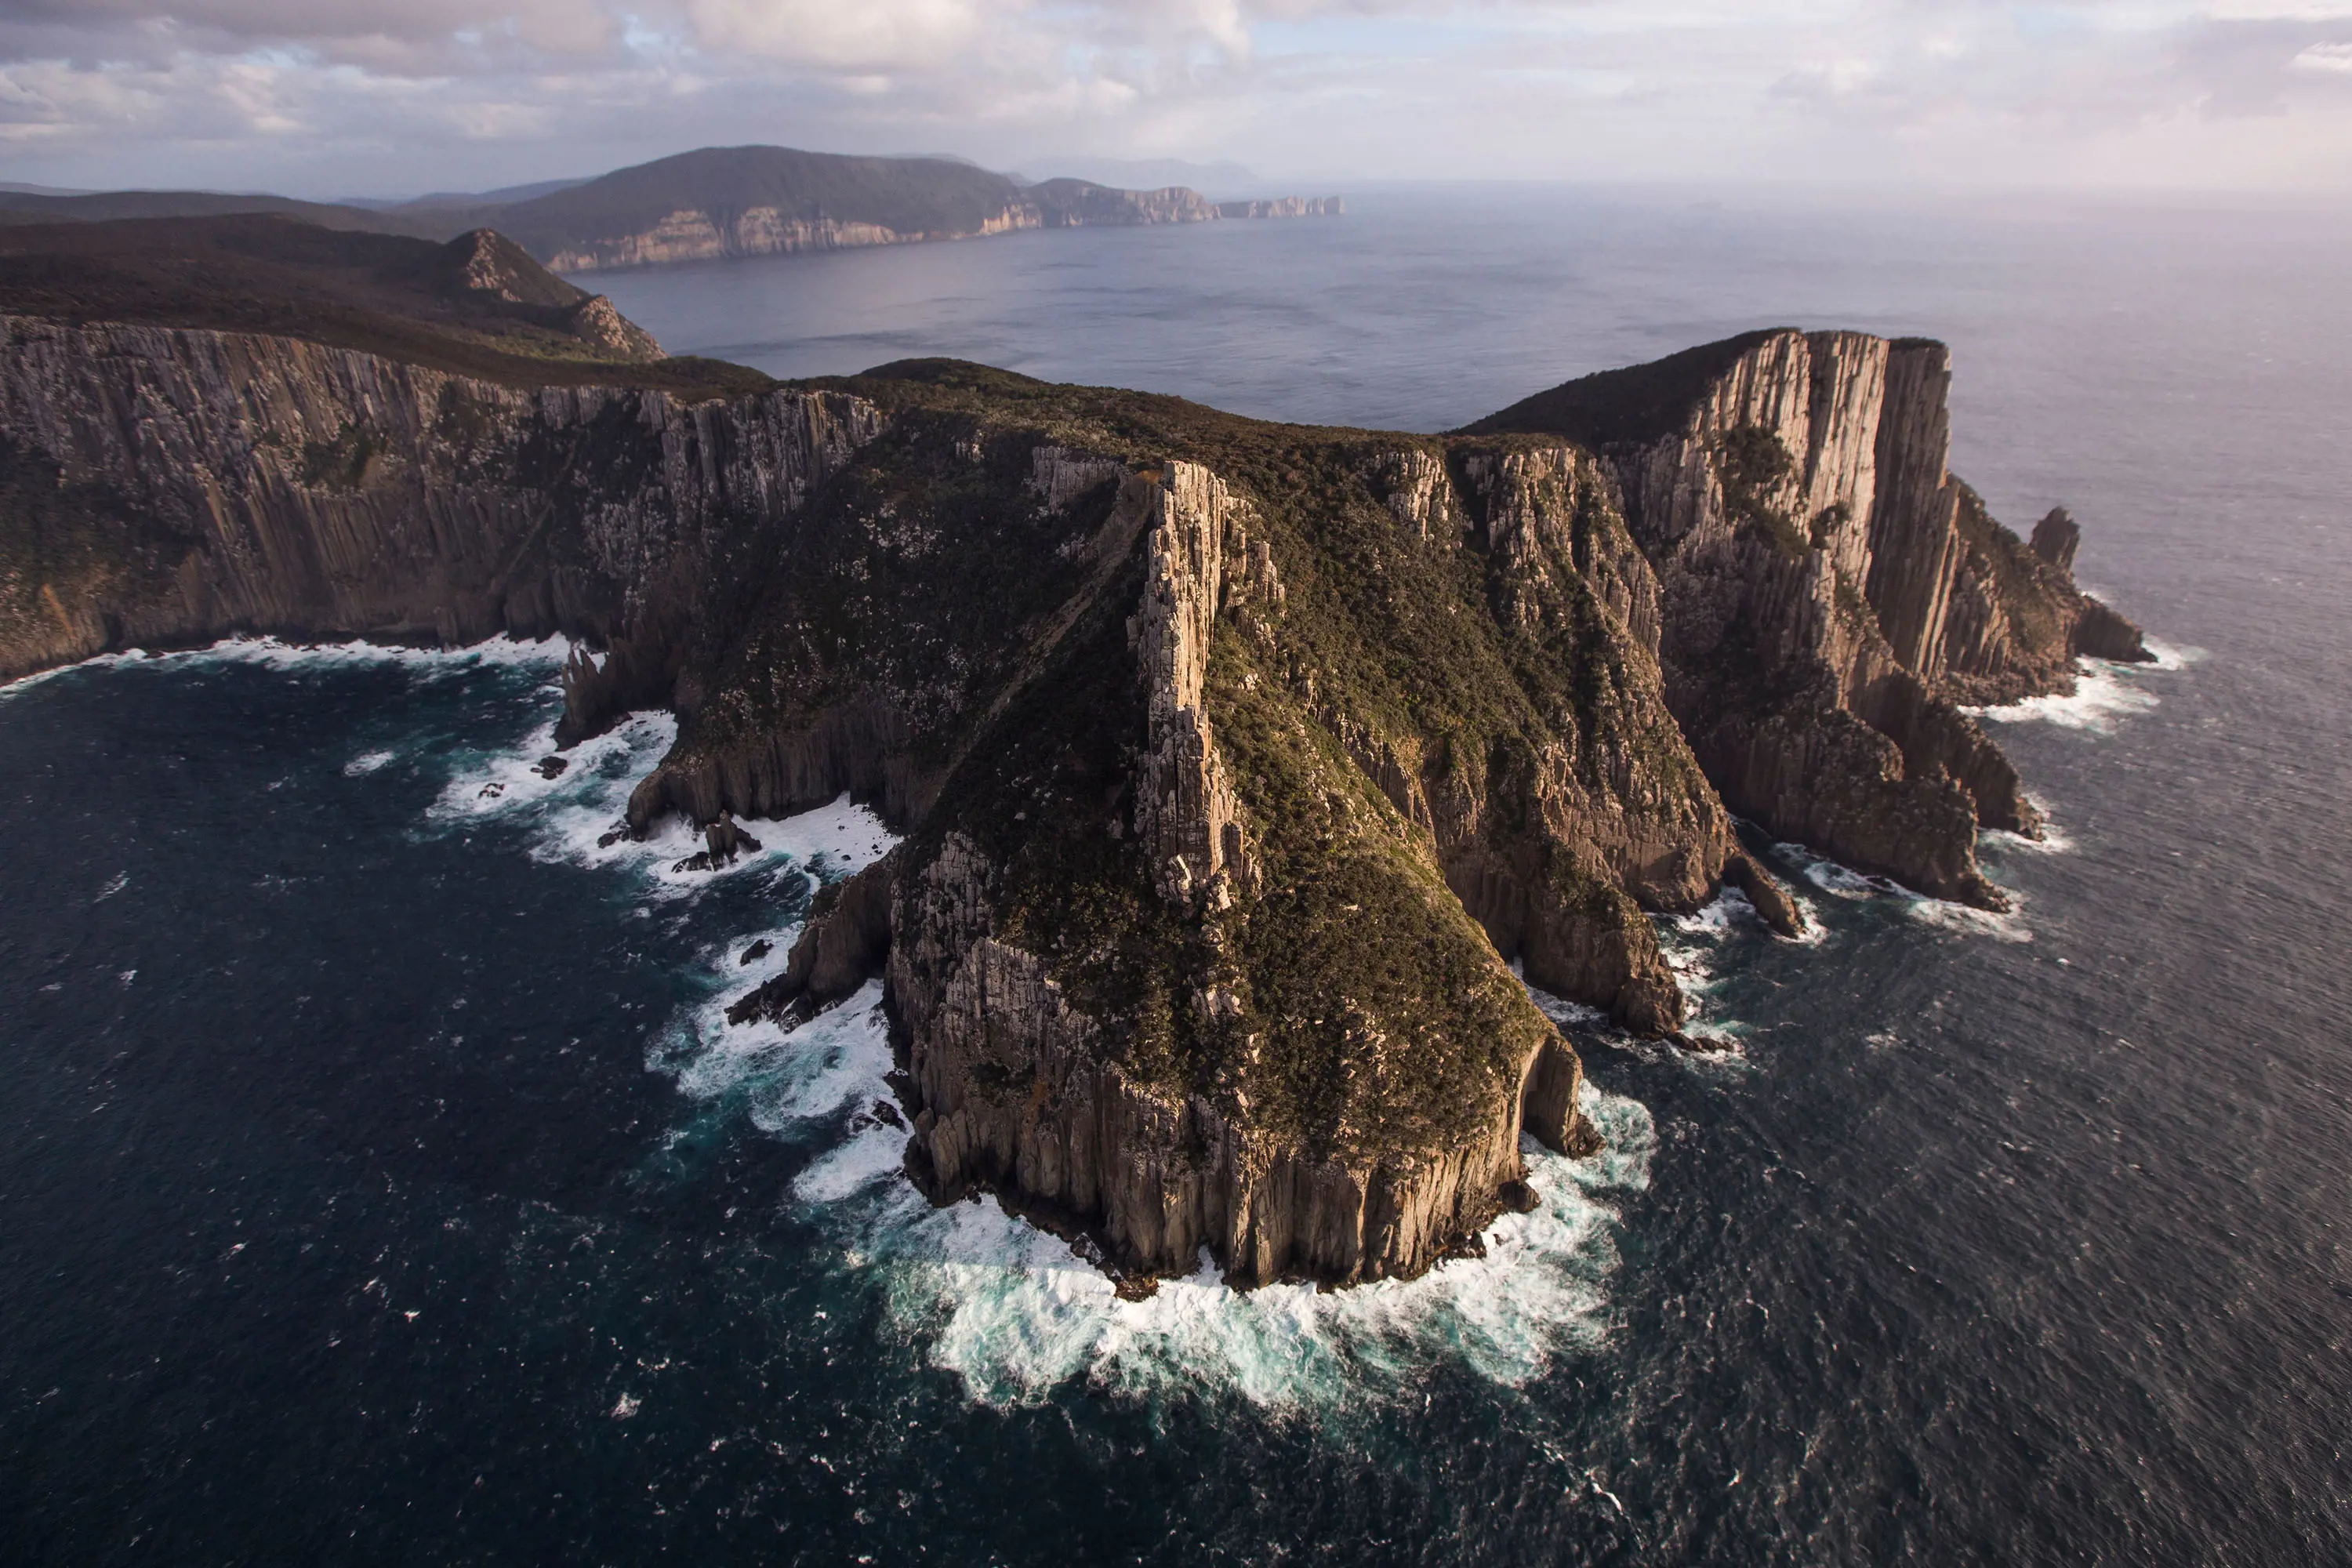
[337,96]
[335,28]
[888,37]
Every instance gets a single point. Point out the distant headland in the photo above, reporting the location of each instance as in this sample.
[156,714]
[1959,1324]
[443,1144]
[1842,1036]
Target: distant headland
[709,204]
[1238,764]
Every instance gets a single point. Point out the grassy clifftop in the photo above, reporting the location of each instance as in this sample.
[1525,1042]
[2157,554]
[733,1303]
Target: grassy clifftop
[475,306]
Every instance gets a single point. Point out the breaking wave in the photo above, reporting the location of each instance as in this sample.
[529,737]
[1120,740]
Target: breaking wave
[271,653]
[1012,1312]
[1015,1313]
[580,813]
[2105,694]
[1852,887]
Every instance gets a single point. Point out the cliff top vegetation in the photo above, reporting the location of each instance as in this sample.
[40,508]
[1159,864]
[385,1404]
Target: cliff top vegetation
[476,306]
[1613,407]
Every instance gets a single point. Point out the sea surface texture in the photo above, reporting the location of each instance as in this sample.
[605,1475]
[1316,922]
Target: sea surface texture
[380,1182]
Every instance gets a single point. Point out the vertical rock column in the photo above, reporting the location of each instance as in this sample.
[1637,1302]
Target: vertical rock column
[1186,811]
[1914,543]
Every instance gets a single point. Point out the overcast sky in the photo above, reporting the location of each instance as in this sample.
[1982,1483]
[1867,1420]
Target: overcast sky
[391,96]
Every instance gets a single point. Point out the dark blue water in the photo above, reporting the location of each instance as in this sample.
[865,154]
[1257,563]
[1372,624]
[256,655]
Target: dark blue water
[376,1184]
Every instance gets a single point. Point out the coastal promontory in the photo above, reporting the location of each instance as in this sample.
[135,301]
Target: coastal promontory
[1247,773]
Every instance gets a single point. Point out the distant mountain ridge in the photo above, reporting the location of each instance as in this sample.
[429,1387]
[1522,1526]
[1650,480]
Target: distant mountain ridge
[713,203]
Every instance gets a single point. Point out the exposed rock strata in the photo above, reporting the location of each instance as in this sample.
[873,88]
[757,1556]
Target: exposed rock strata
[188,485]
[691,234]
[1829,593]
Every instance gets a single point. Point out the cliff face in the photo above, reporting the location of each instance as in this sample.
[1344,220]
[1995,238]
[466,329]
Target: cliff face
[1167,1026]
[172,487]
[1236,762]
[694,233]
[1831,593]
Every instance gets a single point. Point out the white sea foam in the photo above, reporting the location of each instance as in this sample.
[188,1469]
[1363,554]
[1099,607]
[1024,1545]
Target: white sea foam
[1844,882]
[1693,943]
[1559,1009]
[2054,840]
[595,783]
[1729,908]
[580,813]
[367,762]
[1015,1313]
[1011,1309]
[24,683]
[2105,694]
[271,653]
[2001,925]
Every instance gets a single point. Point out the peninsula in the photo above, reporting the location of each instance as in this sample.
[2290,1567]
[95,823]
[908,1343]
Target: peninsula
[714,203]
[1237,763]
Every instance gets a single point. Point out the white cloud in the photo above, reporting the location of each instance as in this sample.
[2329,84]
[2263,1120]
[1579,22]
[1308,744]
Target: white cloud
[338,96]
[893,36]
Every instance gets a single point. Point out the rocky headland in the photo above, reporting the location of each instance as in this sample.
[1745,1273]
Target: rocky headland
[711,203]
[1236,764]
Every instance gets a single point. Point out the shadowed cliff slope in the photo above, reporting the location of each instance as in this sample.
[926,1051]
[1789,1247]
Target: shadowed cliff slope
[1236,761]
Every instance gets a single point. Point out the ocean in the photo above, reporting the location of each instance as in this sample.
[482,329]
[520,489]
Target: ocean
[381,1183]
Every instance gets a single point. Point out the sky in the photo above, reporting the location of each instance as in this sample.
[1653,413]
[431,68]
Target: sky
[390,98]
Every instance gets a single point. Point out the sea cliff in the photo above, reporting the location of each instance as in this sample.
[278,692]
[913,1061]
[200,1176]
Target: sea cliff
[1236,764]
[1831,595]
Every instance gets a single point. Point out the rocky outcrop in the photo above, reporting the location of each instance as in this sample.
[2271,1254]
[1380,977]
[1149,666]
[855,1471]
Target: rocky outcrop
[1017,1089]
[2056,538]
[1185,813]
[596,322]
[1417,489]
[861,747]
[1830,595]
[1569,840]
[845,938]
[1075,203]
